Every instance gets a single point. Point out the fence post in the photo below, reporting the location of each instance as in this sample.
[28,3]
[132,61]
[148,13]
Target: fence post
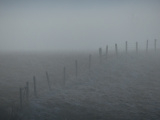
[48,81]
[90,58]
[100,55]
[76,65]
[106,50]
[64,76]
[116,49]
[21,98]
[27,91]
[147,46]
[35,87]
[136,47]
[126,47]
[155,45]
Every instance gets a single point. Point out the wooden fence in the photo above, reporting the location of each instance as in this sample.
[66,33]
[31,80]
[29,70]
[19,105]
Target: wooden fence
[24,92]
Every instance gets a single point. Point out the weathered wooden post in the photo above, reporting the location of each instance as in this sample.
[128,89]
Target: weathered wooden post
[106,50]
[116,49]
[90,58]
[21,98]
[35,87]
[27,91]
[76,66]
[155,45]
[48,81]
[64,76]
[136,47]
[126,47]
[100,55]
[147,46]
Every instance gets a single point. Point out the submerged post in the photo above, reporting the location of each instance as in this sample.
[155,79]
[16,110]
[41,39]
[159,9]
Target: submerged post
[76,66]
[100,54]
[90,58]
[116,49]
[21,98]
[27,91]
[106,50]
[155,45]
[35,87]
[126,47]
[147,46]
[48,81]
[64,76]
[136,47]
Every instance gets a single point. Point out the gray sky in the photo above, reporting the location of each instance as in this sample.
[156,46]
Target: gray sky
[72,25]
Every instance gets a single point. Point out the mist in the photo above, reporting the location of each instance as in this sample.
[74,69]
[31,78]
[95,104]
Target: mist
[83,60]
[72,25]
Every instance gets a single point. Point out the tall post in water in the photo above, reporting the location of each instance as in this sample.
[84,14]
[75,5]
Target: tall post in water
[21,98]
[35,87]
[116,49]
[27,91]
[48,81]
[76,66]
[64,76]
[136,47]
[147,46]
[126,47]
[100,55]
[90,57]
[155,45]
[106,50]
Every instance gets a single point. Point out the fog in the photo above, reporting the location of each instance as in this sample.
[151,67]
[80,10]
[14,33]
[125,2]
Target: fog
[74,25]
[42,78]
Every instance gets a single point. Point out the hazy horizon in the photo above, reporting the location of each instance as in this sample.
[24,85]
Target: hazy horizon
[77,25]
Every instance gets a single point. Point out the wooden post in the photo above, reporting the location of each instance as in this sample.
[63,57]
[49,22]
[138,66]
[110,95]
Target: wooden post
[106,50]
[147,46]
[116,49]
[64,76]
[21,98]
[76,65]
[27,91]
[136,47]
[155,45]
[35,89]
[126,47]
[100,55]
[90,57]
[48,81]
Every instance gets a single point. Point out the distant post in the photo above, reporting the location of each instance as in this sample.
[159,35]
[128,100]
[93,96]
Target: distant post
[27,91]
[126,47]
[90,57]
[116,49]
[106,50]
[155,45]
[147,46]
[35,87]
[21,98]
[136,47]
[76,65]
[100,54]
[64,76]
[48,81]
